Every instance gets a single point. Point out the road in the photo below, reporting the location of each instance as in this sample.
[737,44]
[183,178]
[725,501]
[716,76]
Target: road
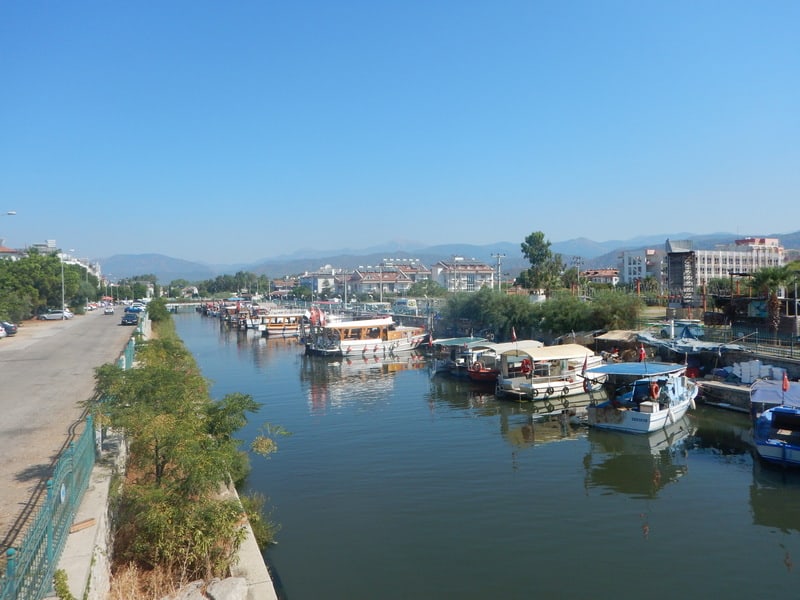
[46,372]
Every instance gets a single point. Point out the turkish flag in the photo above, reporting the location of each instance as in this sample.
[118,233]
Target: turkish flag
[785,382]
[642,353]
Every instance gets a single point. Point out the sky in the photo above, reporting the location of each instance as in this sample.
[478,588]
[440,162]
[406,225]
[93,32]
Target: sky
[225,132]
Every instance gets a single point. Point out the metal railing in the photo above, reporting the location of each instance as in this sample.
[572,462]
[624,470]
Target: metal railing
[30,566]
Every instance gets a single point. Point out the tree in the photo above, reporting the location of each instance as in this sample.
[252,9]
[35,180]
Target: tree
[546,268]
[768,281]
[426,287]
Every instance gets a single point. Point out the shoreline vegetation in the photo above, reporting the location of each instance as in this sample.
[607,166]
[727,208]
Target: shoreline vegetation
[170,526]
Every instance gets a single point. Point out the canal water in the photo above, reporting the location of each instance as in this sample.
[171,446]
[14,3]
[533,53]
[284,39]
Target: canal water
[394,484]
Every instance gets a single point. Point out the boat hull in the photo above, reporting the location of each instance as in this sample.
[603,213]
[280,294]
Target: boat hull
[607,416]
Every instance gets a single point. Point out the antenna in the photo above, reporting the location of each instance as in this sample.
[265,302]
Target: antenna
[499,256]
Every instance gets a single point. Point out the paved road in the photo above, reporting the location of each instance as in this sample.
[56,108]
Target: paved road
[46,372]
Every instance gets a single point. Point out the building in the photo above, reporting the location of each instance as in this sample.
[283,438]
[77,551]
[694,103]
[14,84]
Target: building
[638,265]
[688,270]
[461,274]
[601,276]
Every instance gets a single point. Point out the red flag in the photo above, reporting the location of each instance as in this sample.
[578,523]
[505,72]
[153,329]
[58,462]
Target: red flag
[785,382]
[513,335]
[642,353]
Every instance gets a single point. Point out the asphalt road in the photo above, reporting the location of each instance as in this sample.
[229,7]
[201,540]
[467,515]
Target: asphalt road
[46,372]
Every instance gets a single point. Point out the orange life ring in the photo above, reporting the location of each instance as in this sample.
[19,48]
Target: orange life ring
[654,390]
[526,366]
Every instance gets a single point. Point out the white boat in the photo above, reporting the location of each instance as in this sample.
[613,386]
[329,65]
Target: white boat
[547,373]
[282,322]
[640,397]
[377,337]
[775,406]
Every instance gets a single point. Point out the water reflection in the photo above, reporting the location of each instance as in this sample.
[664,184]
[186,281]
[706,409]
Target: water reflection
[721,432]
[775,497]
[335,383]
[636,465]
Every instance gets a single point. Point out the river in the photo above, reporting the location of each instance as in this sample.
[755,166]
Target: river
[394,484]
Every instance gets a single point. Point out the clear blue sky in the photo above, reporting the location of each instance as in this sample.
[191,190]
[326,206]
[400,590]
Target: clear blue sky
[234,131]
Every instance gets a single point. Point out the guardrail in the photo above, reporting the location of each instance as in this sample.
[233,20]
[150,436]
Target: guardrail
[30,567]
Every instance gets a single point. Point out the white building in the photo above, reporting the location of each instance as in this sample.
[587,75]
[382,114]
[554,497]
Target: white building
[689,269]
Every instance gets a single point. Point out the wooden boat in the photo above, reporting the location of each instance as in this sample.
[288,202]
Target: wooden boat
[448,354]
[549,373]
[775,406]
[282,322]
[640,397]
[483,360]
[348,338]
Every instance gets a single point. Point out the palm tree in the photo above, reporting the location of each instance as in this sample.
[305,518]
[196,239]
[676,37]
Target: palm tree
[768,281]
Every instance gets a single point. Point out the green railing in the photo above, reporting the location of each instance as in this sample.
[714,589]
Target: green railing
[30,566]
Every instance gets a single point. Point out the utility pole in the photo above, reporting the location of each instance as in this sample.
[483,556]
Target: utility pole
[499,256]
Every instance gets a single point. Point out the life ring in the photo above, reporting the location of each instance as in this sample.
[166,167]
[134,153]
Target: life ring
[534,392]
[526,366]
[477,366]
[549,406]
[587,386]
[550,391]
[565,390]
[654,390]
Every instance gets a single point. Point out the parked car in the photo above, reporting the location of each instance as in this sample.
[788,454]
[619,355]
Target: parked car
[56,315]
[129,319]
[2,333]
[9,328]
[134,308]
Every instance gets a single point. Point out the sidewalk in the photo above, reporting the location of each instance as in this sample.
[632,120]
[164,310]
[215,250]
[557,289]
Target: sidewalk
[86,558]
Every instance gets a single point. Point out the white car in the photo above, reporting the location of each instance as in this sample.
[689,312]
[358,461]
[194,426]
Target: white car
[108,310]
[56,315]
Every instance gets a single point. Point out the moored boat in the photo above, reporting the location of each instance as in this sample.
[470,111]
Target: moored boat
[546,373]
[775,407]
[283,322]
[484,360]
[640,397]
[448,355]
[378,337]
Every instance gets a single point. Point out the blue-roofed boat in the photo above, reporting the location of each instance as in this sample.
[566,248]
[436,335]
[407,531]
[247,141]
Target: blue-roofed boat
[639,397]
[775,406]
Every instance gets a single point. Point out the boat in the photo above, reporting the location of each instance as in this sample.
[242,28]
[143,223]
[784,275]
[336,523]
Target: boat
[545,373]
[483,360]
[775,406]
[380,336]
[282,322]
[448,354]
[639,397]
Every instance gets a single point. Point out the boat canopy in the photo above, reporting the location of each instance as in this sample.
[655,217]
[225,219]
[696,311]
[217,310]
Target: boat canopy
[770,391]
[538,352]
[458,341]
[637,369]
[382,322]
[523,346]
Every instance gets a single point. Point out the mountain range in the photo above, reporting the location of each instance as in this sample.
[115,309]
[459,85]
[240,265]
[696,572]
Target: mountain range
[592,255]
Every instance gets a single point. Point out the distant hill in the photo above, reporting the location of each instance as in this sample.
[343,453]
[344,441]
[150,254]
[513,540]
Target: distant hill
[592,254]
